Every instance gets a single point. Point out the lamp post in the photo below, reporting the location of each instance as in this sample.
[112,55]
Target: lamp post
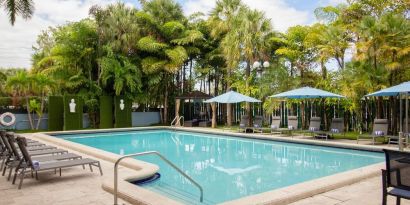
[259,66]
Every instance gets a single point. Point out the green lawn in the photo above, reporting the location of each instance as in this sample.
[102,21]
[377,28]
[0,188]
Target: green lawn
[28,131]
[347,135]
[352,135]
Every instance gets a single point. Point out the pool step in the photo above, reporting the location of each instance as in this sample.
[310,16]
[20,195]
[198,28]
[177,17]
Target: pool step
[175,193]
[148,180]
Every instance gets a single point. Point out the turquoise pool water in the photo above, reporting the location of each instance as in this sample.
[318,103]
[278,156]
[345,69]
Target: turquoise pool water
[227,167]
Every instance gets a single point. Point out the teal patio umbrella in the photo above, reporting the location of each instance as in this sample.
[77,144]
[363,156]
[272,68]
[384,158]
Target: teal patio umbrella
[232,97]
[229,97]
[307,93]
[400,90]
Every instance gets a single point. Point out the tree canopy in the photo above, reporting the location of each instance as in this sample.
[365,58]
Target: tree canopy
[156,52]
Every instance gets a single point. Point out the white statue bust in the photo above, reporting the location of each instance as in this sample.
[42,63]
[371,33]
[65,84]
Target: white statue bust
[122,105]
[72,106]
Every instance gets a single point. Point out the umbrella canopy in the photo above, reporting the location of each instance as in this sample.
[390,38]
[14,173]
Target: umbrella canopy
[393,91]
[306,93]
[232,97]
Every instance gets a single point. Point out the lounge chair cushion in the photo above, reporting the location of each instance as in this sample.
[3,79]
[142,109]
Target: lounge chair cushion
[63,164]
[399,192]
[313,129]
[47,151]
[40,148]
[56,157]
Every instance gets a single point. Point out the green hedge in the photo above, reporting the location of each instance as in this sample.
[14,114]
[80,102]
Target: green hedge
[73,121]
[106,112]
[5,101]
[55,113]
[122,117]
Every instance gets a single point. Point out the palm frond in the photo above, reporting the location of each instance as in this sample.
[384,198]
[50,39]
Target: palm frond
[149,44]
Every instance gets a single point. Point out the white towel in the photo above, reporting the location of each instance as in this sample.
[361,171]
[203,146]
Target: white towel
[334,130]
[36,165]
[379,133]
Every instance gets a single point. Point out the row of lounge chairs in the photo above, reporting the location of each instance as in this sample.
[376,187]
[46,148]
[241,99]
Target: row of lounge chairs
[21,155]
[337,126]
[379,130]
[197,123]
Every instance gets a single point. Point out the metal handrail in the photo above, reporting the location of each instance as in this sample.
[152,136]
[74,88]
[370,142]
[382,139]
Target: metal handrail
[175,118]
[164,159]
[179,121]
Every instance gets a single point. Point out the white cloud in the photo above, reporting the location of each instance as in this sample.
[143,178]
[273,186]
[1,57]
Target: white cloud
[282,15]
[16,41]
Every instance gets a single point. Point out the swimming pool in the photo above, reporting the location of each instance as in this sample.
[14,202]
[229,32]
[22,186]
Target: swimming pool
[227,167]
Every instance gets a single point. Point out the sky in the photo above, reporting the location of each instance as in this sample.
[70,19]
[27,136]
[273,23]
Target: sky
[16,41]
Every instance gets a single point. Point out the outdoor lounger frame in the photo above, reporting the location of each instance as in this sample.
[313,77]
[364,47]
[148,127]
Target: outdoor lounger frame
[379,125]
[17,157]
[336,126]
[27,163]
[396,176]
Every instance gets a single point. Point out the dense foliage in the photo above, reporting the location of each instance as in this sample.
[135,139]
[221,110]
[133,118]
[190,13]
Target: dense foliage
[152,54]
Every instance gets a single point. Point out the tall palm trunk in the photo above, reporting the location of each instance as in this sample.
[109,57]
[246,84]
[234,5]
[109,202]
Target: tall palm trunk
[40,117]
[30,120]
[248,105]
[379,107]
[324,70]
[190,75]
[302,114]
[166,105]
[228,105]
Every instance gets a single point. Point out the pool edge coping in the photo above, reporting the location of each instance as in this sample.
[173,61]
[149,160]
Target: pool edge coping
[126,190]
[279,196]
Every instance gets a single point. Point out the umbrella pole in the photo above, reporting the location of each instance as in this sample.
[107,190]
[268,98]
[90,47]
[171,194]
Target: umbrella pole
[281,112]
[338,107]
[401,113]
[287,109]
[311,108]
[407,112]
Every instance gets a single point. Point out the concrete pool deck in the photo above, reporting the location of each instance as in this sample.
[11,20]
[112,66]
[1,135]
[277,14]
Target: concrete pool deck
[366,186]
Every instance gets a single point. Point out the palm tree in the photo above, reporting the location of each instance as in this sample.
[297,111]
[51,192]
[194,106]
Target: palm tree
[294,50]
[254,31]
[42,85]
[166,44]
[119,74]
[14,8]
[72,52]
[223,21]
[3,78]
[395,51]
[117,27]
[21,85]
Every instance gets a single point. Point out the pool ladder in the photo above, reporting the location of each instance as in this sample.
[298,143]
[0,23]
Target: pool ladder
[177,121]
[201,198]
